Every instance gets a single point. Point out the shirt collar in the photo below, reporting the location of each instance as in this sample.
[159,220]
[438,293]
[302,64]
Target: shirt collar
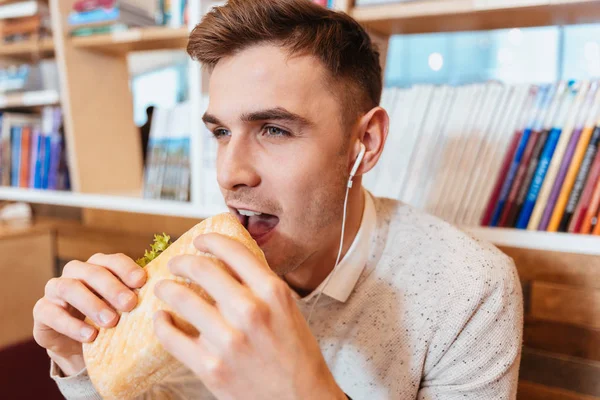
[353,263]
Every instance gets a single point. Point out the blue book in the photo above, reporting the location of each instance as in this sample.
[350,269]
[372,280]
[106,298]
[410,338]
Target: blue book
[545,159]
[94,16]
[15,137]
[46,162]
[538,178]
[514,166]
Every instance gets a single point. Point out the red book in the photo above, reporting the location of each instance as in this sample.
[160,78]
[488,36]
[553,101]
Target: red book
[25,157]
[508,157]
[583,206]
[509,214]
[590,216]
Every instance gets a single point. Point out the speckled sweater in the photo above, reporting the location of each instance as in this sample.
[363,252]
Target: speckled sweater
[434,314]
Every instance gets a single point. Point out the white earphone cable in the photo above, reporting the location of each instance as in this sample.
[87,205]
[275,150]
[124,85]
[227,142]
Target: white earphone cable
[335,267]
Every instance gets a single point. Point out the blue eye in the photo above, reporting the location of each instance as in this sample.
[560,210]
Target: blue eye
[275,131]
[220,132]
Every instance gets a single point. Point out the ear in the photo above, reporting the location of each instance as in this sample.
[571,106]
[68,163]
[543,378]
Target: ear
[373,130]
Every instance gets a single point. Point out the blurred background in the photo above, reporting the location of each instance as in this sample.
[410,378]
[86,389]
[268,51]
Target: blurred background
[495,127]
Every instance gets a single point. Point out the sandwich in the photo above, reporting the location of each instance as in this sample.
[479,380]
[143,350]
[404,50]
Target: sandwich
[127,360]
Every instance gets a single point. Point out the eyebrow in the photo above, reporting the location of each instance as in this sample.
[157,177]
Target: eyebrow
[272,114]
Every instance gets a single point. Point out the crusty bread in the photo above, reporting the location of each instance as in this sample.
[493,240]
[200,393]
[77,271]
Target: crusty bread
[127,360]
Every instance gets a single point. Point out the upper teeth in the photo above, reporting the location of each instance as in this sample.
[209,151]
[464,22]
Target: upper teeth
[248,213]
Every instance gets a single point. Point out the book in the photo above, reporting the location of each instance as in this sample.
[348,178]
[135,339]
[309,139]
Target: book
[457,120]
[489,172]
[510,208]
[521,116]
[546,128]
[418,169]
[564,107]
[579,90]
[471,155]
[9,150]
[594,217]
[556,202]
[528,118]
[580,167]
[24,159]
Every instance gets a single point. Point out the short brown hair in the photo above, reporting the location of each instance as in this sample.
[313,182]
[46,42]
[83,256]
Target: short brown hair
[302,27]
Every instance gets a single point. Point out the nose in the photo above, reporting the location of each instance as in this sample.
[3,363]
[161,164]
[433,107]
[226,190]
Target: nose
[236,167]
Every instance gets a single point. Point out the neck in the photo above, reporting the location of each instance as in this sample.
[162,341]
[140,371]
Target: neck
[316,268]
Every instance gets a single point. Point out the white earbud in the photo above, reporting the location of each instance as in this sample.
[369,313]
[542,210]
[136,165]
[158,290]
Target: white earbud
[359,159]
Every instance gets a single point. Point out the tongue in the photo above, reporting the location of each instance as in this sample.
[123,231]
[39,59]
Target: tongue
[258,225]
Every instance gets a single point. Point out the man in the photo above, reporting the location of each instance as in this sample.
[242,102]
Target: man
[415,309]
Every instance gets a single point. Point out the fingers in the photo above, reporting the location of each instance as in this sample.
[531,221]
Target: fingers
[194,309]
[79,296]
[123,267]
[103,282]
[219,284]
[246,265]
[181,346]
[51,319]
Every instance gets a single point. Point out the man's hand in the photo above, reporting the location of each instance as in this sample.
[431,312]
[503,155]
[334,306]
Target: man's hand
[93,289]
[254,342]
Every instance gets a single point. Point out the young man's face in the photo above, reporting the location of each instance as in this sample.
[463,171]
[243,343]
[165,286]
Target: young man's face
[282,151]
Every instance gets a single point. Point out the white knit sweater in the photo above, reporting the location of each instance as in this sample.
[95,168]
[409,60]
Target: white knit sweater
[435,314]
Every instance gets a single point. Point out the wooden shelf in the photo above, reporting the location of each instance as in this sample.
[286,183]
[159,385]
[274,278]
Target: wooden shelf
[28,49]
[467,15]
[110,202]
[137,39]
[559,242]
[29,99]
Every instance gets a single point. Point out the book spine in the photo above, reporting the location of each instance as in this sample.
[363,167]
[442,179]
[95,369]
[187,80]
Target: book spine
[538,179]
[46,160]
[529,175]
[16,155]
[578,187]
[558,182]
[509,157]
[592,205]
[35,151]
[595,217]
[592,154]
[576,92]
[55,154]
[25,156]
[572,165]
[510,209]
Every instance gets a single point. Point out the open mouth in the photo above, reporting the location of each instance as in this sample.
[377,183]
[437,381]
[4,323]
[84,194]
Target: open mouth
[260,225]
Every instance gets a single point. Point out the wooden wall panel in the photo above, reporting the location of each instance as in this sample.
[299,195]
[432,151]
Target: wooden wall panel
[26,265]
[532,391]
[566,339]
[556,267]
[565,304]
[560,372]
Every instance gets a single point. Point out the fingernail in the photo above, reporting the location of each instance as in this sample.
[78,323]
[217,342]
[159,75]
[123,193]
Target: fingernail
[86,332]
[106,316]
[138,275]
[125,298]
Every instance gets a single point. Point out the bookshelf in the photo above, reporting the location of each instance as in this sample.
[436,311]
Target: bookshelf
[28,50]
[30,99]
[459,15]
[558,242]
[139,39]
[110,202]
[90,138]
